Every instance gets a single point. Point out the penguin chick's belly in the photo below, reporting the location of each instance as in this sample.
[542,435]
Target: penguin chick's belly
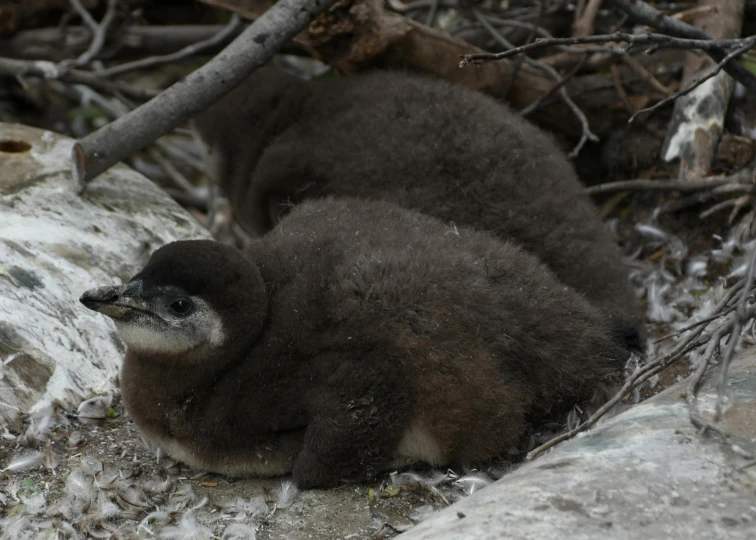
[417,444]
[274,459]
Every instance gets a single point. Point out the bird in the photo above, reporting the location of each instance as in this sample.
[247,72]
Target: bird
[355,337]
[422,143]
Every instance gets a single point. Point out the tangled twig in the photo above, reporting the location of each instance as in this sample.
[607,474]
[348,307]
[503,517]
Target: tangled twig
[731,313]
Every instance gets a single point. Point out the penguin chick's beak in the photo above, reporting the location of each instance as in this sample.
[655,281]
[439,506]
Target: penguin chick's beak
[117,302]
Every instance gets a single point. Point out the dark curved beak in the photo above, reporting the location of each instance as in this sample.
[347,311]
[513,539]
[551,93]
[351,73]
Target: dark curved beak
[114,301]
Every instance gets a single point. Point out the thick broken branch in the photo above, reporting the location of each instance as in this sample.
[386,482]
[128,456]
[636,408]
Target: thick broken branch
[699,115]
[102,149]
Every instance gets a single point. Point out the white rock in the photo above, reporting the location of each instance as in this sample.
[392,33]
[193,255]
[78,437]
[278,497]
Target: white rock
[56,243]
[646,474]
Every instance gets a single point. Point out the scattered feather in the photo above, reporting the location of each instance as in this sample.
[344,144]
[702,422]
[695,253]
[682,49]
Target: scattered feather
[95,410]
[75,439]
[286,492]
[239,531]
[188,528]
[107,509]
[472,482]
[25,461]
[255,507]
[422,513]
[184,496]
[158,518]
[50,460]
[78,484]
[35,503]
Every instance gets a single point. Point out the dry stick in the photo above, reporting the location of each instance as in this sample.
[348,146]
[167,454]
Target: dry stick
[643,13]
[720,310]
[640,375]
[741,317]
[51,71]
[557,87]
[105,147]
[173,173]
[645,75]
[659,185]
[586,133]
[705,196]
[583,25]
[520,59]
[750,43]
[617,78]
[723,205]
[659,41]
[99,31]
[191,50]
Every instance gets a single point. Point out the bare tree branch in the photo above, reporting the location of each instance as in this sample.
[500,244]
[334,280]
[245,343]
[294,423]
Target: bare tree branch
[586,134]
[741,318]
[195,48]
[743,177]
[52,71]
[99,31]
[658,41]
[107,146]
[698,82]
[644,13]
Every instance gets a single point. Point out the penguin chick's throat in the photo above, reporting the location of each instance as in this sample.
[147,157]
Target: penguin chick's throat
[162,320]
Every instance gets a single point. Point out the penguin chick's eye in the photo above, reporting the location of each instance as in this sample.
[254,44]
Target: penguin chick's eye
[181,306]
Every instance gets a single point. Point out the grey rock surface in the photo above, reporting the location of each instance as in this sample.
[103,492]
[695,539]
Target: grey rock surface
[55,243]
[644,474]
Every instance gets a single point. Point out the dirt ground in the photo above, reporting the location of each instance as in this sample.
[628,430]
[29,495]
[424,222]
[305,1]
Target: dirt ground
[100,480]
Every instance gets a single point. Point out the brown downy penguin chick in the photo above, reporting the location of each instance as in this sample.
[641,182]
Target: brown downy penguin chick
[356,336]
[422,143]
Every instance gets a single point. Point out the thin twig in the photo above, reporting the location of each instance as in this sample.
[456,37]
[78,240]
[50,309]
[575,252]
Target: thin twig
[520,59]
[221,37]
[99,31]
[645,75]
[643,13]
[585,18]
[659,41]
[51,71]
[660,185]
[617,78]
[722,205]
[173,173]
[704,196]
[741,317]
[751,42]
[586,133]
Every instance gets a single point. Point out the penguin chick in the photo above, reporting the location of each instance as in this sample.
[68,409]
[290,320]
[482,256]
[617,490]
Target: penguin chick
[422,143]
[356,337]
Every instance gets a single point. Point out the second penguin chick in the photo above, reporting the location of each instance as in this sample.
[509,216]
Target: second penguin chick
[422,143]
[355,336]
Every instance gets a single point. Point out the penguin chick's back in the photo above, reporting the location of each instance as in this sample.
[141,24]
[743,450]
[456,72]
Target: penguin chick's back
[419,142]
[488,337]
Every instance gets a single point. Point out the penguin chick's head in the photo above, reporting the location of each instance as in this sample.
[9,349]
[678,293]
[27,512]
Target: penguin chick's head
[193,296]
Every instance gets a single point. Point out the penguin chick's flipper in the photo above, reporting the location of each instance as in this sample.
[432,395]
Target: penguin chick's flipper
[353,435]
